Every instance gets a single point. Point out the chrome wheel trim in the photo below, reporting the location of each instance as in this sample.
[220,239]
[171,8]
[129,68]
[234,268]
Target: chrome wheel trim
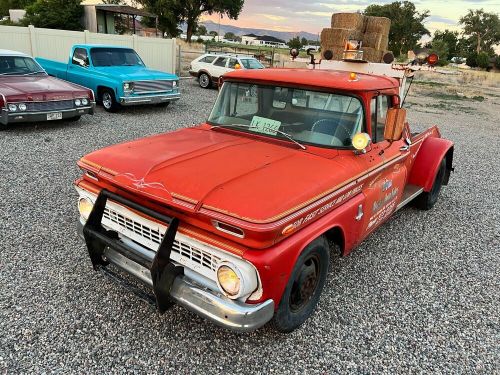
[204,80]
[107,100]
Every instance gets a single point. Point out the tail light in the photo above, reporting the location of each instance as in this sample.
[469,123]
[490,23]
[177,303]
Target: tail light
[2,100]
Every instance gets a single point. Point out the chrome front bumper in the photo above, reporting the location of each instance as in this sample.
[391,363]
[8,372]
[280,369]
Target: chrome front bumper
[7,117]
[209,304]
[149,99]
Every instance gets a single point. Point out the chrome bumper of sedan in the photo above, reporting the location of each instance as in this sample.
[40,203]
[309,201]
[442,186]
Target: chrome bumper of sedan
[7,117]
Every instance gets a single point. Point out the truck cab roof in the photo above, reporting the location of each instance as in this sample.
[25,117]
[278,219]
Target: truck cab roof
[332,79]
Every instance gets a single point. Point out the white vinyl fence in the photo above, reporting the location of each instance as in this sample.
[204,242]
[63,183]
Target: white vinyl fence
[56,45]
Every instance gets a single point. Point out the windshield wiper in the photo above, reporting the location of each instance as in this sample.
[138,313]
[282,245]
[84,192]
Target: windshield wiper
[30,73]
[255,127]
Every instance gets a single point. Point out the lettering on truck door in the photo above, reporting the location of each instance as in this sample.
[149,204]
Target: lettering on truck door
[385,188]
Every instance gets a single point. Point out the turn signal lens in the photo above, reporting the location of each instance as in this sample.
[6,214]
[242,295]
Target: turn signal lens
[353,76]
[85,206]
[228,280]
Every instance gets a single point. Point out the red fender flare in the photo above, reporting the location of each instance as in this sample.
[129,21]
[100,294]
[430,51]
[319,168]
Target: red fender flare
[426,165]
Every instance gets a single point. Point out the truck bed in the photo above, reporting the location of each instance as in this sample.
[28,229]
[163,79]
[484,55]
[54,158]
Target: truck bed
[54,68]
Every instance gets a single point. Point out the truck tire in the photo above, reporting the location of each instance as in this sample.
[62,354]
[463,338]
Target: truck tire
[426,200]
[205,81]
[108,101]
[304,287]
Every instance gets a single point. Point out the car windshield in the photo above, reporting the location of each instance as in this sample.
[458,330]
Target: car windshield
[115,57]
[308,117]
[251,64]
[19,66]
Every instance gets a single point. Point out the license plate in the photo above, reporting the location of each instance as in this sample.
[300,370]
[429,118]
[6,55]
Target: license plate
[54,116]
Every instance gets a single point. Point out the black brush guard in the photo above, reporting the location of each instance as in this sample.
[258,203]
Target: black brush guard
[163,272]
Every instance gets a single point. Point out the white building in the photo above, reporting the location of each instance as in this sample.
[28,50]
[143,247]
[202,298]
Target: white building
[265,40]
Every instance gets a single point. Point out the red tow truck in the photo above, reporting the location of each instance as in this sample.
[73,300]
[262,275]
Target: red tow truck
[233,219]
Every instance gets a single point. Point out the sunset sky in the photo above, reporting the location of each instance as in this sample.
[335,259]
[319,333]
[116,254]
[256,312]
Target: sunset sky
[313,16]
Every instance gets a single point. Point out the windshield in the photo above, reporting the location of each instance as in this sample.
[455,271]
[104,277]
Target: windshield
[19,65]
[251,64]
[308,117]
[115,57]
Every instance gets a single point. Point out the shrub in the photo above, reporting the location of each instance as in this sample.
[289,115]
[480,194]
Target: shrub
[471,60]
[483,60]
[497,61]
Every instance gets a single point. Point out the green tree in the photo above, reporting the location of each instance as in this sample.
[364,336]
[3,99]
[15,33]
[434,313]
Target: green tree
[482,29]
[497,62]
[201,30]
[213,33]
[5,5]
[191,10]
[55,14]
[229,35]
[303,42]
[407,25]
[168,13]
[451,40]
[483,60]
[295,43]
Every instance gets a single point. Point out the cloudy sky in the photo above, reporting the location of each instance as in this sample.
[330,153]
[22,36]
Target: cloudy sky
[314,15]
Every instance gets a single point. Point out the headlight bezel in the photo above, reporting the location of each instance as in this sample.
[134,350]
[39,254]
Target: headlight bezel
[230,266]
[128,87]
[85,215]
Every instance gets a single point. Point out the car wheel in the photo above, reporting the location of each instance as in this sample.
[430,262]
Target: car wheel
[427,200]
[204,80]
[108,101]
[304,287]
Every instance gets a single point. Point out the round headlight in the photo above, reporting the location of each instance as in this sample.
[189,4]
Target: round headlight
[78,102]
[85,206]
[12,107]
[228,280]
[22,107]
[85,101]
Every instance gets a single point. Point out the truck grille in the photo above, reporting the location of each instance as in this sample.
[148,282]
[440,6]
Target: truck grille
[152,86]
[182,252]
[58,105]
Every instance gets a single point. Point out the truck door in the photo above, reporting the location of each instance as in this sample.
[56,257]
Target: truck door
[78,68]
[384,188]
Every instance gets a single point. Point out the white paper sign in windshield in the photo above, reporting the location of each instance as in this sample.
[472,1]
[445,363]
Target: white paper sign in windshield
[265,125]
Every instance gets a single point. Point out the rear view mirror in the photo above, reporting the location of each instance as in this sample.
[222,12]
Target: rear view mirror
[394,123]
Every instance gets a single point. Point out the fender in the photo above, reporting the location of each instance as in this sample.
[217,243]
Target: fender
[276,263]
[428,158]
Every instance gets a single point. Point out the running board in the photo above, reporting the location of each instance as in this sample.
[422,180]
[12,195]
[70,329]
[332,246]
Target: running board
[410,193]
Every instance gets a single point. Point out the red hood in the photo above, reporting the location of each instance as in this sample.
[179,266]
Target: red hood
[251,180]
[39,88]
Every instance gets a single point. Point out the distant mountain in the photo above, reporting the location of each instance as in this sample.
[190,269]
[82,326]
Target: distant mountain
[284,35]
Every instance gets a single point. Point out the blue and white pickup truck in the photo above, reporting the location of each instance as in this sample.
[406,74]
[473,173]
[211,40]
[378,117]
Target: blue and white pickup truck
[117,75]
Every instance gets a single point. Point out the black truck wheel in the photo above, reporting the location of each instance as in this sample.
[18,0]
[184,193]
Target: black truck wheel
[304,287]
[108,100]
[427,200]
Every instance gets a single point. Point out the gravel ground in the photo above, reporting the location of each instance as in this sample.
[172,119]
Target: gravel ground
[420,295]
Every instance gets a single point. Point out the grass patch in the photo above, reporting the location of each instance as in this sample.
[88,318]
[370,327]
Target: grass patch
[429,83]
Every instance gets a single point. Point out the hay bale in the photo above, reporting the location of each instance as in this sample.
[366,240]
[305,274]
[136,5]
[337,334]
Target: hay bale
[337,37]
[375,40]
[354,21]
[380,25]
[372,54]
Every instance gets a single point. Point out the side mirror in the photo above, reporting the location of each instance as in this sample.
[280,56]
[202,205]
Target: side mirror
[394,124]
